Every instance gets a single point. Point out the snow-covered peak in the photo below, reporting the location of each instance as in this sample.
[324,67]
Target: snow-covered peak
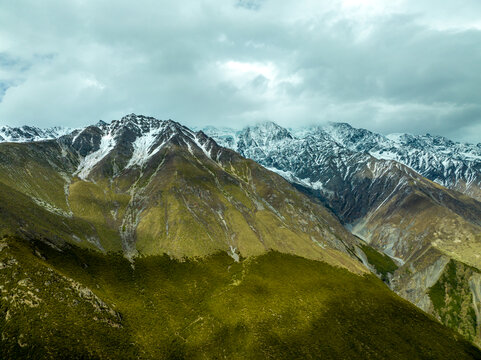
[267,126]
[224,136]
[354,139]
[264,133]
[139,124]
[423,142]
[396,137]
[135,137]
[31,133]
[132,142]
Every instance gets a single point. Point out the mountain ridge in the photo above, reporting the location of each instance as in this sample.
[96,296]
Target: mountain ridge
[452,164]
[28,133]
[142,172]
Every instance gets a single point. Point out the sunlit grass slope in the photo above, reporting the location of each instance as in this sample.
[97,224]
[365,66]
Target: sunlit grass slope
[79,303]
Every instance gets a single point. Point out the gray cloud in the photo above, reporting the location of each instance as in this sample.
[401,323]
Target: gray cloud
[250,4]
[386,66]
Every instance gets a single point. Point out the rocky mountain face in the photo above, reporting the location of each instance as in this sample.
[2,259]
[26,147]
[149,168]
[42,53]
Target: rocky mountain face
[451,164]
[419,223]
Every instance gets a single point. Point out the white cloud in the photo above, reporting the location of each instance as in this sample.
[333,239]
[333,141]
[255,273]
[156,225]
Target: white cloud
[239,70]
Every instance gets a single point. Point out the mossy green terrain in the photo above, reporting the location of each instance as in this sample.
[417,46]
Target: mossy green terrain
[79,303]
[383,264]
[40,170]
[452,299]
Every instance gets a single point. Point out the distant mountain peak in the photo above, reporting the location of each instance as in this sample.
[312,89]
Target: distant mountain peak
[264,133]
[342,125]
[267,125]
[451,164]
[101,123]
[31,133]
[133,141]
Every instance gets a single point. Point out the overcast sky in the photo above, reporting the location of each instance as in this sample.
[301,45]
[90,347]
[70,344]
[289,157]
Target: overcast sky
[388,66]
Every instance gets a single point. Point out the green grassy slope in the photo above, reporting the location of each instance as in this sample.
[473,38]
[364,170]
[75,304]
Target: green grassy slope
[21,216]
[40,170]
[453,300]
[180,202]
[383,264]
[84,304]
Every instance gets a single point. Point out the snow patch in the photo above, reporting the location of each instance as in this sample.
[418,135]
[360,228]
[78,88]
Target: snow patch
[317,242]
[88,163]
[143,147]
[51,208]
[233,254]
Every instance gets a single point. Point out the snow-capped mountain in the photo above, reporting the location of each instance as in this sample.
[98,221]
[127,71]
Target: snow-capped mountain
[451,164]
[336,163]
[31,133]
[375,185]
[149,186]
[130,142]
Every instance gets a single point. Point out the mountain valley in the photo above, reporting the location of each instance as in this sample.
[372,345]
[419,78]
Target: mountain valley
[176,243]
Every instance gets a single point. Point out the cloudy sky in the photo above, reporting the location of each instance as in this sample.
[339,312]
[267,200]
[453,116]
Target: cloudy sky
[389,66]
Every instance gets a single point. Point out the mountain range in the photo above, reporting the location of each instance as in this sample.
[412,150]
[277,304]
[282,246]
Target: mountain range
[31,133]
[415,198]
[190,243]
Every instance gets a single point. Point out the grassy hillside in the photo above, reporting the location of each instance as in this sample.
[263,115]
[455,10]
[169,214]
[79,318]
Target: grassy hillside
[452,299]
[79,303]
[180,202]
[382,263]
